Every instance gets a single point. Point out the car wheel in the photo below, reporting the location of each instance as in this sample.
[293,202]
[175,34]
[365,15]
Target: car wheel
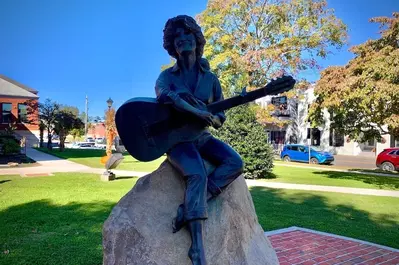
[287,159]
[314,160]
[387,166]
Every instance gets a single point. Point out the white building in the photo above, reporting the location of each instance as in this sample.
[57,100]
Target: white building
[298,130]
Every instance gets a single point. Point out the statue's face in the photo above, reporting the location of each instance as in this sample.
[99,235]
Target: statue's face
[184,41]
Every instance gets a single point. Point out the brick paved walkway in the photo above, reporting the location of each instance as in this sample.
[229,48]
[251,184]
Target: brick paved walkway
[308,248]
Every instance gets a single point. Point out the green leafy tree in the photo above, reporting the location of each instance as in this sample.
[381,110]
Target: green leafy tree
[65,121]
[46,113]
[170,64]
[77,132]
[70,109]
[363,96]
[250,42]
[42,127]
[248,138]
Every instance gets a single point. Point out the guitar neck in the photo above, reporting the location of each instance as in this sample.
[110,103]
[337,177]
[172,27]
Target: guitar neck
[235,101]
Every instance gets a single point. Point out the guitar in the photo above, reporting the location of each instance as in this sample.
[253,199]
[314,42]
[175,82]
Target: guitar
[149,129]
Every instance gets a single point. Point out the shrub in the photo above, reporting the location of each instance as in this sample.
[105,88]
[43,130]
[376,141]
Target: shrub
[242,131]
[9,146]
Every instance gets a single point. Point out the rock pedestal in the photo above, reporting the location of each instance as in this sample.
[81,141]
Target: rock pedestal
[139,228]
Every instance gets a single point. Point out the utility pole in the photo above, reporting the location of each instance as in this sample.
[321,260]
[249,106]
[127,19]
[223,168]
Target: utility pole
[87,117]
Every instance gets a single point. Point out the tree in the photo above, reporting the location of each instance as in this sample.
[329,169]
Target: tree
[170,64]
[76,133]
[46,113]
[253,41]
[362,96]
[71,109]
[250,42]
[110,128]
[248,138]
[66,120]
[42,127]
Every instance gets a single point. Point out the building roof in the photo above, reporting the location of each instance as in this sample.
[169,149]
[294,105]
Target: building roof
[11,88]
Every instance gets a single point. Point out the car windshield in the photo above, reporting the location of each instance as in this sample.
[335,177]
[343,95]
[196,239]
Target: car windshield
[316,149]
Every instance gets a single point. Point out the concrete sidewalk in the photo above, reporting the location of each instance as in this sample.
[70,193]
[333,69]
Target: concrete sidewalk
[279,185]
[49,164]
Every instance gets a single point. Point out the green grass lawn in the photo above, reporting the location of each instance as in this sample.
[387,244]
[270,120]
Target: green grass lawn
[370,218]
[58,219]
[91,158]
[332,178]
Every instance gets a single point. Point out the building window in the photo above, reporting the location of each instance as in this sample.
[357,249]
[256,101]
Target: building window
[281,105]
[370,142]
[277,137]
[22,114]
[6,113]
[336,139]
[316,135]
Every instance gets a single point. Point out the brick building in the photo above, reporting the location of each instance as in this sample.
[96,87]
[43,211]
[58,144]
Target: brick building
[96,130]
[13,108]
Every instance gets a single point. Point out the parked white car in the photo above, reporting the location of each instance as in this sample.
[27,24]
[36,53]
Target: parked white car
[83,145]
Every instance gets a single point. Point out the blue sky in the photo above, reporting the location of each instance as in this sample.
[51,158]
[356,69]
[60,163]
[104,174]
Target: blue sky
[67,49]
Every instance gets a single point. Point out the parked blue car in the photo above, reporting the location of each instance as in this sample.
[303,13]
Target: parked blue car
[300,153]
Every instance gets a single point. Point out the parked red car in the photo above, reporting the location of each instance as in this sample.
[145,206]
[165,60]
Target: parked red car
[388,159]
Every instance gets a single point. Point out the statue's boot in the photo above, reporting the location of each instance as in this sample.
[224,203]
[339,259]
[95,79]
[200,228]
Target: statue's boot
[197,251]
[179,222]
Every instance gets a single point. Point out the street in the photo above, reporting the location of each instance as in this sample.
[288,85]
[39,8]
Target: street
[354,162]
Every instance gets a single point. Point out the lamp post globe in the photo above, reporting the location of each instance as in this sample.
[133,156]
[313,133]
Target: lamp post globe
[109,103]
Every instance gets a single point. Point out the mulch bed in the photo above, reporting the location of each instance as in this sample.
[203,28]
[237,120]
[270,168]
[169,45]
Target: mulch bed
[20,159]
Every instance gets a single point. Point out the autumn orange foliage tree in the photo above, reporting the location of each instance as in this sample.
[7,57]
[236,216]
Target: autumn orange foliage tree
[363,96]
[110,128]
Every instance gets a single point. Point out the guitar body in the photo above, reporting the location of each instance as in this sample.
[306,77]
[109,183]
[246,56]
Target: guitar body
[149,129]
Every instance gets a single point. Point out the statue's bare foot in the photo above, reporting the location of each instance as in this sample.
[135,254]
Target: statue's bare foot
[178,223]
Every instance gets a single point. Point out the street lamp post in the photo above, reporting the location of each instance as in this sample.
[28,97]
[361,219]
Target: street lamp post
[109,103]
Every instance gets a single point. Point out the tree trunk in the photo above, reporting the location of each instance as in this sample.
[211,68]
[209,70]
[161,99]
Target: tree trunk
[62,141]
[41,138]
[49,143]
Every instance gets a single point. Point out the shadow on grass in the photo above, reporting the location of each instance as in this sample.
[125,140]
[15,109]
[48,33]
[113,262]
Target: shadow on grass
[76,153]
[374,171]
[268,175]
[280,209]
[4,181]
[132,161]
[124,177]
[41,232]
[380,181]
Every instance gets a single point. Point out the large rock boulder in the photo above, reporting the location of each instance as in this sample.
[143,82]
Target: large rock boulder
[139,228]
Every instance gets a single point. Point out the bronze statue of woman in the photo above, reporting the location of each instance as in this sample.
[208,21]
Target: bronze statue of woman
[190,86]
